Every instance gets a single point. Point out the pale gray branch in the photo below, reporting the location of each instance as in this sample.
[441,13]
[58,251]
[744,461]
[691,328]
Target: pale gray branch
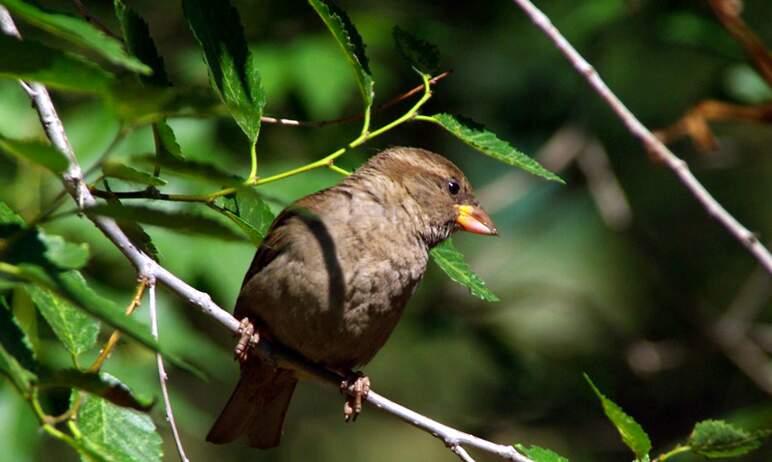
[147,267]
[749,240]
[163,378]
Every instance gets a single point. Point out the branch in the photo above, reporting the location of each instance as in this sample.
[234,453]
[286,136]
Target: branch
[147,267]
[162,377]
[728,12]
[749,240]
[694,123]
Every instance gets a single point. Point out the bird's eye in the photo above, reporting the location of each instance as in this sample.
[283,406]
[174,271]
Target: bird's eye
[453,187]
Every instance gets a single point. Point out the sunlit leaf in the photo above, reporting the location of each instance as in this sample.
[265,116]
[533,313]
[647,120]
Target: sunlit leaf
[35,151]
[102,384]
[632,433]
[537,454]
[77,331]
[113,169]
[165,141]
[136,33]
[177,220]
[719,439]
[451,261]
[422,55]
[232,67]
[338,22]
[485,141]
[76,31]
[124,434]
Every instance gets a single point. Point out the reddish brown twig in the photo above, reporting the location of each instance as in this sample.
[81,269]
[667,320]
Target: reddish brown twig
[93,20]
[728,12]
[694,123]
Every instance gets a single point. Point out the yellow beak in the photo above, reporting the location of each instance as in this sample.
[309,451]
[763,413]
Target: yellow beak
[475,220]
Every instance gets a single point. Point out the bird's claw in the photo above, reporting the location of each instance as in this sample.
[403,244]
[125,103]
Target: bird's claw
[356,387]
[248,339]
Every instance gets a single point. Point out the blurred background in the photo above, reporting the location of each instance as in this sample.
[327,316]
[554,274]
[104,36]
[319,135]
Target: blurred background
[619,273]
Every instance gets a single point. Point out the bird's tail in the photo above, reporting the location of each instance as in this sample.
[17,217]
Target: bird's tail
[257,407]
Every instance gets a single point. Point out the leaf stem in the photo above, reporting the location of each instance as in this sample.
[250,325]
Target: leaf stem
[676,450]
[253,158]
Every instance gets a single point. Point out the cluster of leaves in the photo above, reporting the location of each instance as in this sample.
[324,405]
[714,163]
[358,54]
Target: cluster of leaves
[710,438]
[43,270]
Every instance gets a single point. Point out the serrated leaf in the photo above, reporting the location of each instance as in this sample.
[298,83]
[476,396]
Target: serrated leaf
[251,214]
[178,220]
[485,141]
[77,291]
[232,68]
[422,55]
[631,432]
[716,438]
[78,32]
[165,141]
[113,169]
[77,331]
[192,169]
[451,261]
[14,340]
[347,36]
[64,254]
[102,384]
[31,60]
[125,434]
[537,454]
[35,151]
[136,34]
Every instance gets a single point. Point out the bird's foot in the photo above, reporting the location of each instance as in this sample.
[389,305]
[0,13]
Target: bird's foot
[356,386]
[248,339]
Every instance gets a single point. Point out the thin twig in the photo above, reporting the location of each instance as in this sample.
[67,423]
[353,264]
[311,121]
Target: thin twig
[162,377]
[358,116]
[749,240]
[116,335]
[149,268]
[93,20]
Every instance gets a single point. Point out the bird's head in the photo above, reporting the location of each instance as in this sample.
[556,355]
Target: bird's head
[436,194]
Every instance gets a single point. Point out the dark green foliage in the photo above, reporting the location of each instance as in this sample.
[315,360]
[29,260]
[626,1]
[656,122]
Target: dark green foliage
[422,55]
[451,261]
[719,439]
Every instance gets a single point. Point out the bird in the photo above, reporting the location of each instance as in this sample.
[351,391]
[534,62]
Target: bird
[333,275]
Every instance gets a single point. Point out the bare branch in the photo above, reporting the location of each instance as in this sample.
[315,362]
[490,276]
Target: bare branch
[162,377]
[749,240]
[150,269]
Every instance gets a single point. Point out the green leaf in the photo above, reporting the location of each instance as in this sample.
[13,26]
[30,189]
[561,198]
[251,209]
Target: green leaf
[17,358]
[136,33]
[74,287]
[632,433]
[478,137]
[251,214]
[232,67]
[422,55]
[124,434]
[35,151]
[30,60]
[77,331]
[8,217]
[78,32]
[338,22]
[192,169]
[173,219]
[716,438]
[451,261]
[64,254]
[102,384]
[14,340]
[113,169]
[165,141]
[537,454]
